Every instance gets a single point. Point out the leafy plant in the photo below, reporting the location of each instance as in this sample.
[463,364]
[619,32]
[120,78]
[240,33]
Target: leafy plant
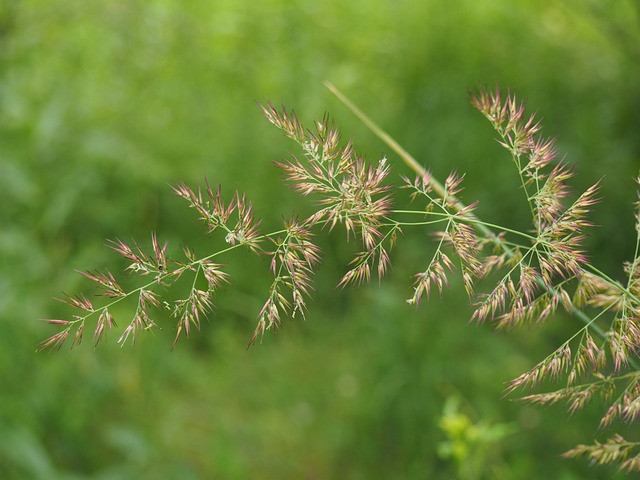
[471,445]
[534,273]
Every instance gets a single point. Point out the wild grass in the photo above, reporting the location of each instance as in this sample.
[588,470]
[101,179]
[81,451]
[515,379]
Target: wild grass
[537,272]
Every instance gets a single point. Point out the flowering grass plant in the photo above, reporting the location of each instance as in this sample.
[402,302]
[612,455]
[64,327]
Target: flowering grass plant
[537,271]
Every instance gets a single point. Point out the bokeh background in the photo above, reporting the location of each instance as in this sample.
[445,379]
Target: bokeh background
[104,104]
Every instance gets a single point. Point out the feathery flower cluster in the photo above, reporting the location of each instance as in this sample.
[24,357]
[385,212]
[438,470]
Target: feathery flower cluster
[556,249]
[148,296]
[292,265]
[215,214]
[458,235]
[615,450]
[552,265]
[349,191]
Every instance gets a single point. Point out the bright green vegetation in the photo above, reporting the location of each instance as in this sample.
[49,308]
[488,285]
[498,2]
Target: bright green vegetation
[106,103]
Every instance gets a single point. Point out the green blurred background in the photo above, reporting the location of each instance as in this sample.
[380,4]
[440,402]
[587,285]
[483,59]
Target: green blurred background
[104,104]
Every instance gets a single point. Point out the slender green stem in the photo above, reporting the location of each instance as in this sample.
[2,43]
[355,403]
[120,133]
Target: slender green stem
[472,220]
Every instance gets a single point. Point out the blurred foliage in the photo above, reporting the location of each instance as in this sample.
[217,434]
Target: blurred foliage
[102,104]
[471,444]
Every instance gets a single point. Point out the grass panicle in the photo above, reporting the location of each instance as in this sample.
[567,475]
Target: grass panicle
[512,277]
